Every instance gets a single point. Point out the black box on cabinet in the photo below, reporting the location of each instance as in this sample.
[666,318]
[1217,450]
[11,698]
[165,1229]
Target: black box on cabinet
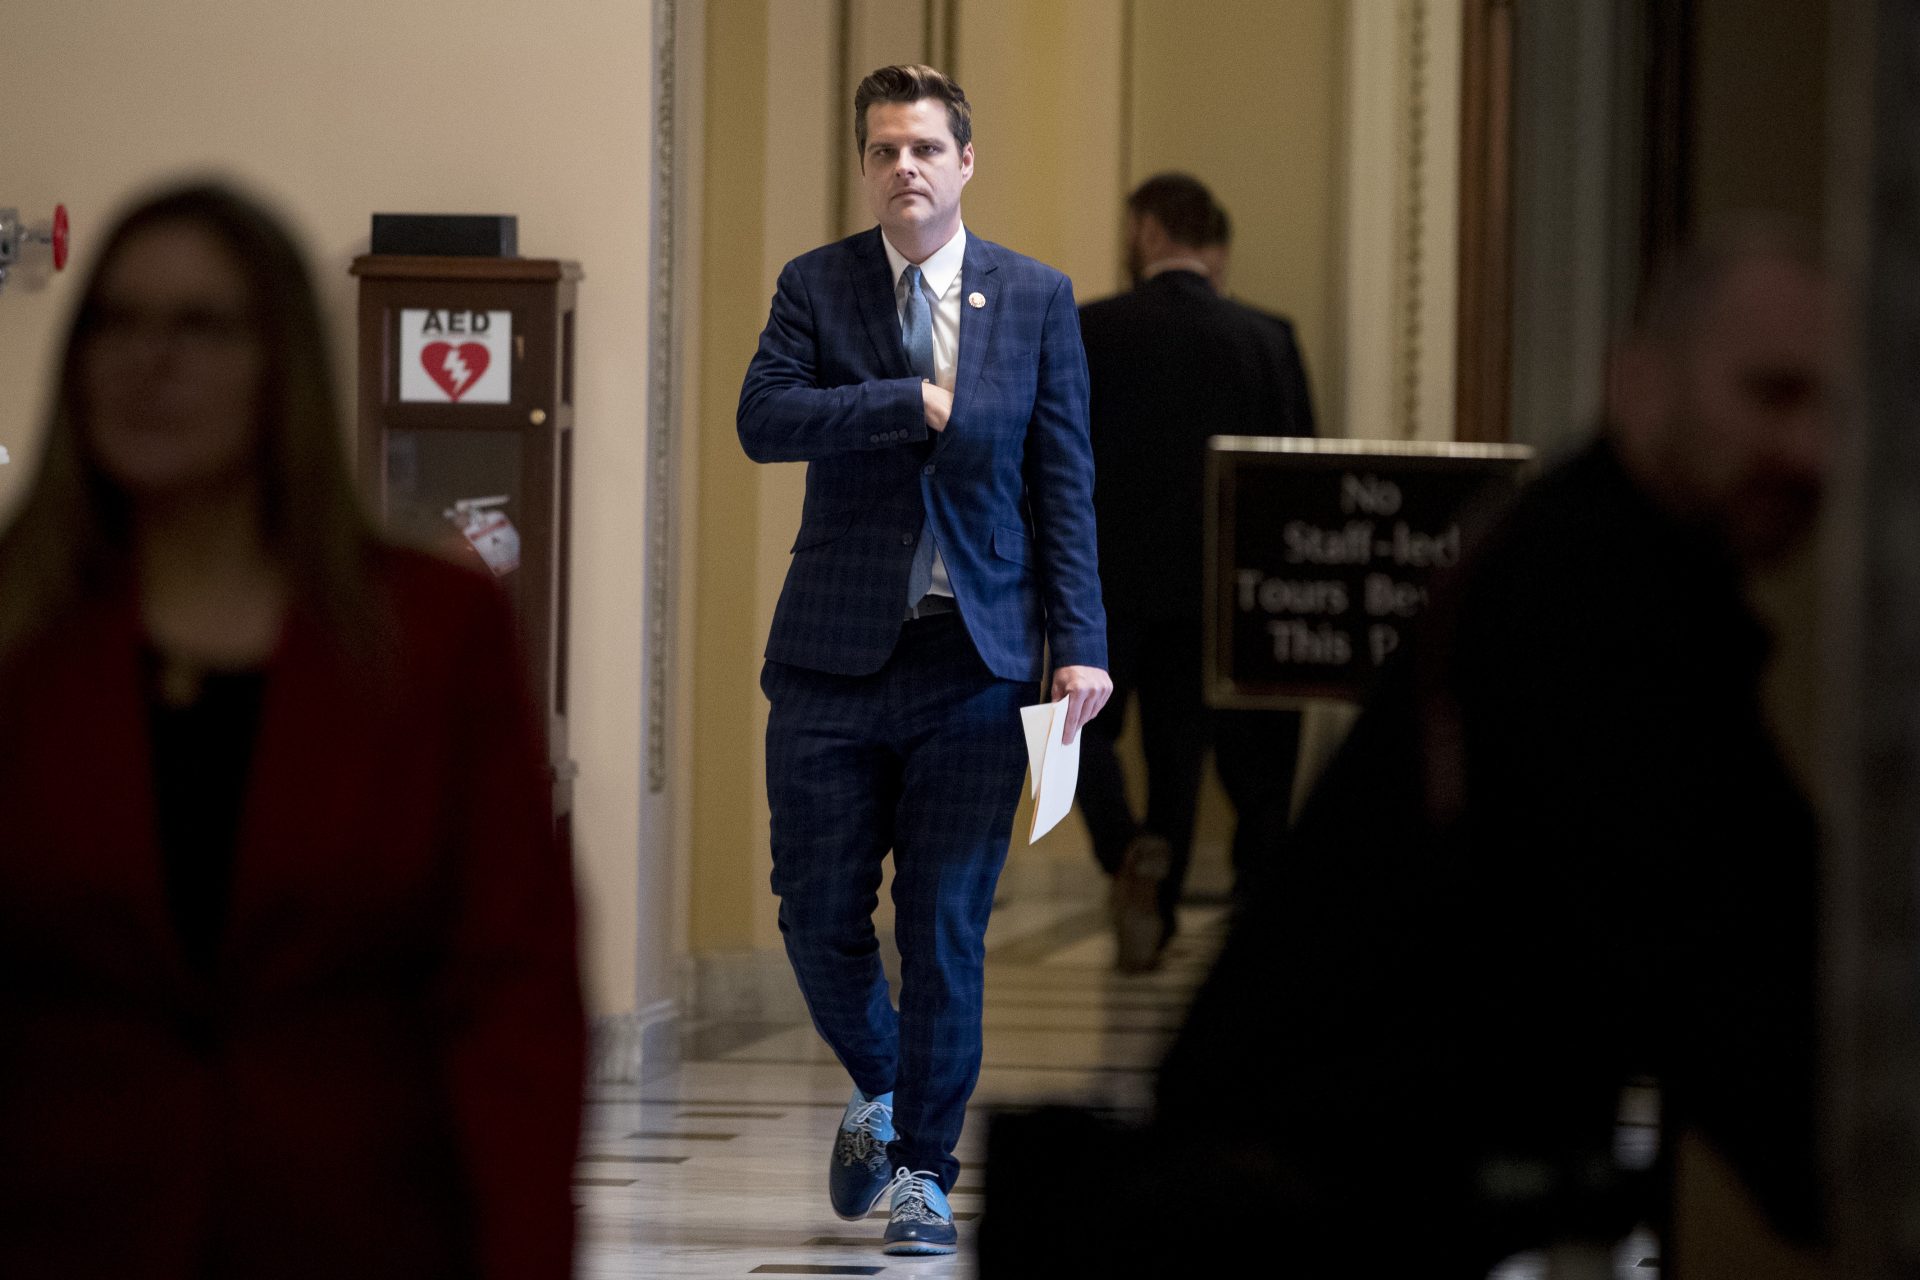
[455,235]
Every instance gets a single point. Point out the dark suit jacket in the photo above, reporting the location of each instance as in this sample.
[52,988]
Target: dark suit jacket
[1173,363]
[381,1075]
[1006,489]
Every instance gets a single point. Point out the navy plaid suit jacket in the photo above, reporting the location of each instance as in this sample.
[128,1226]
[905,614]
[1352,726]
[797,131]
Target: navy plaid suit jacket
[1006,489]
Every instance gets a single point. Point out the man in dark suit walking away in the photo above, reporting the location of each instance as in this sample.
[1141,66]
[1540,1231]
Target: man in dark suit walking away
[934,384]
[1172,363]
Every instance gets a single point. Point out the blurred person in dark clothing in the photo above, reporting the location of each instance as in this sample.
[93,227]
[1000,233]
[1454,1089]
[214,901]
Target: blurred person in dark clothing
[1560,852]
[288,981]
[1172,363]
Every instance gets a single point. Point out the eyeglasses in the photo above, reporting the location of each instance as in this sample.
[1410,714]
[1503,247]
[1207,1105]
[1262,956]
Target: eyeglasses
[195,330]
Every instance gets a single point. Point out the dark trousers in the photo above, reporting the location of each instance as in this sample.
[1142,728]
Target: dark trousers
[1157,661]
[1255,752]
[924,758]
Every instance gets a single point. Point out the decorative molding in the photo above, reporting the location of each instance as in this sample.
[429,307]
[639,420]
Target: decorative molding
[662,400]
[1368,216]
[1398,231]
[613,1049]
[1411,231]
[632,1048]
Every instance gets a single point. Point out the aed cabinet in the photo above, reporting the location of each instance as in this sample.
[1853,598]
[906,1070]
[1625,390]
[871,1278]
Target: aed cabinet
[465,418]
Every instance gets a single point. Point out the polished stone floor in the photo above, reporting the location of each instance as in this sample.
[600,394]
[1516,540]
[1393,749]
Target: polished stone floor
[718,1169]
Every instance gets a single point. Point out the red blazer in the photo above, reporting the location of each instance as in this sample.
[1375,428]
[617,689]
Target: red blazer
[382,1076]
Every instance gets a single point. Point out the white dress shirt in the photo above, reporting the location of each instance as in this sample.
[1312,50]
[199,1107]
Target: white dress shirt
[941,271]
[1194,265]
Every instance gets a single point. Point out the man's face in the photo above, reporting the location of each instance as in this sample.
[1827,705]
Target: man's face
[913,171]
[1752,403]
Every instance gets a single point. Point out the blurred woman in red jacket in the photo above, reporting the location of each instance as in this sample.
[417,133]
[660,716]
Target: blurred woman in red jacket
[288,983]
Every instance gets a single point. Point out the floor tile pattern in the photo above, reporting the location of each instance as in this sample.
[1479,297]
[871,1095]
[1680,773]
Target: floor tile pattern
[747,1119]
[719,1169]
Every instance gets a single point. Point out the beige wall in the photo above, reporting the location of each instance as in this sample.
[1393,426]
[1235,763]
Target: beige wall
[1246,96]
[1073,106]
[728,800]
[773,135]
[337,110]
[1046,84]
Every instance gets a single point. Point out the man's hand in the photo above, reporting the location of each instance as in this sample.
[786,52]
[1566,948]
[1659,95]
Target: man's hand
[1086,690]
[938,403]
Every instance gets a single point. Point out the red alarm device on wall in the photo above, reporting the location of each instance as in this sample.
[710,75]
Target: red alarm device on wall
[20,242]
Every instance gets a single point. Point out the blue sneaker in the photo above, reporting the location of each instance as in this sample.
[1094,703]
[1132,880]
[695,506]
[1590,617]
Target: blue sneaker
[857,1170]
[920,1220]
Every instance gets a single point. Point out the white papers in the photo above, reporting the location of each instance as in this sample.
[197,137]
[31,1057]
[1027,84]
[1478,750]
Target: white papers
[1054,766]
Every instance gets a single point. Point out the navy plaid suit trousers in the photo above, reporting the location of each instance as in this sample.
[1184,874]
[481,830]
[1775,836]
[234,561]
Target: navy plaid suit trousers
[923,757]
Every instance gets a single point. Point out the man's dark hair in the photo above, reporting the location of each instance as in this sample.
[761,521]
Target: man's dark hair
[912,84]
[1181,204]
[1219,229]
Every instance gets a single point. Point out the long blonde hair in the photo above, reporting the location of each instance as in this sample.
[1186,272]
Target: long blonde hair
[71,537]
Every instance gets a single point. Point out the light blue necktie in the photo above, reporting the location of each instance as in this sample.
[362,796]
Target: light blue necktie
[916,332]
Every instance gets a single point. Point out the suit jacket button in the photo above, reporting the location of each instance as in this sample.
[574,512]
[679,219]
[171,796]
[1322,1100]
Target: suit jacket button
[873,439]
[906,539]
[927,470]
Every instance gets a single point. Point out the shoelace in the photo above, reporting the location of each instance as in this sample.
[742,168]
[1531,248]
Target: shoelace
[914,1204]
[874,1117]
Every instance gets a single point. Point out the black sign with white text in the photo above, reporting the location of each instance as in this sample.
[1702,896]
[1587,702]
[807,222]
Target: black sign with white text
[1321,552]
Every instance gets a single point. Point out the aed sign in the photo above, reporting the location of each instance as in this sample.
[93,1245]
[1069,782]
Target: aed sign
[452,356]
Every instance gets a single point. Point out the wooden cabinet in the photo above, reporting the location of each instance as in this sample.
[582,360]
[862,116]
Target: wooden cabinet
[465,410]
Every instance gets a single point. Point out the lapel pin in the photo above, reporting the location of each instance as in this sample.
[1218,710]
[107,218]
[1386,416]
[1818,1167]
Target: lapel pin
[976,300]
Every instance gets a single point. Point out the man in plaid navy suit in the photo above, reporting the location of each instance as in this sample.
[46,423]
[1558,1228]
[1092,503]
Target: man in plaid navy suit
[935,385]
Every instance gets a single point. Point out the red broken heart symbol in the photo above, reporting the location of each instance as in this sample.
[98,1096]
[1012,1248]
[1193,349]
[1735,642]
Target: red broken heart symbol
[456,369]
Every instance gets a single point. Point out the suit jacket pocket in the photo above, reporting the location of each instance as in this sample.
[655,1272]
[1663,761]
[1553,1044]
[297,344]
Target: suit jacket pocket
[821,530]
[1013,544]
